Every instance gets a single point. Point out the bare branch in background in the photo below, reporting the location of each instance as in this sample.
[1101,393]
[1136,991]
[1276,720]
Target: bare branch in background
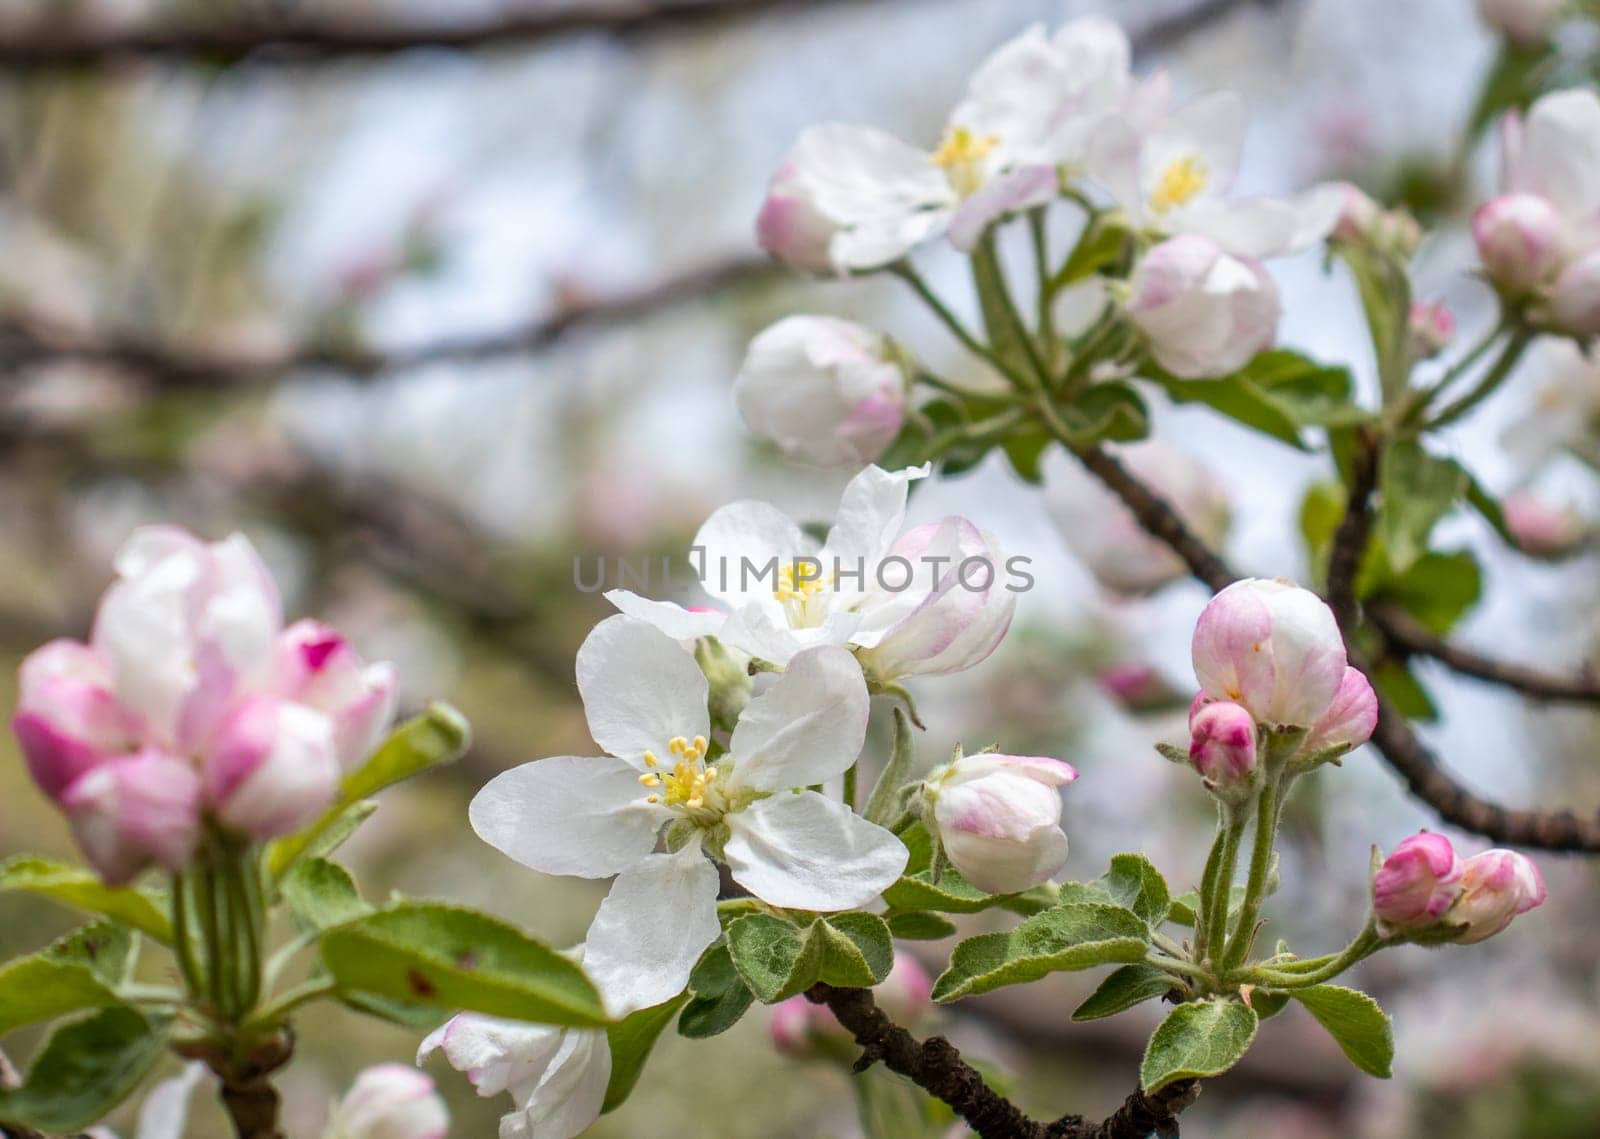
[26,342]
[1406,635]
[283,43]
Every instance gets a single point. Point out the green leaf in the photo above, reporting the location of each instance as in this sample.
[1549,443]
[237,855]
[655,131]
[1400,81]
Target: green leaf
[407,1014]
[1321,511]
[83,1071]
[104,948]
[857,951]
[1268,1004]
[1125,987]
[1238,400]
[1418,489]
[1100,246]
[631,1039]
[1197,1041]
[916,889]
[1437,590]
[322,894]
[1134,883]
[77,887]
[1515,80]
[919,925]
[776,958]
[896,773]
[37,988]
[439,735]
[1107,412]
[1362,1030]
[1384,284]
[455,958]
[1277,393]
[1077,935]
[1400,687]
[1003,331]
[1479,498]
[720,996]
[1025,450]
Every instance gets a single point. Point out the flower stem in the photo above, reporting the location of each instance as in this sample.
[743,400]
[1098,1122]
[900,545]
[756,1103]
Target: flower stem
[905,272]
[1216,883]
[1502,368]
[183,936]
[1268,812]
[1365,944]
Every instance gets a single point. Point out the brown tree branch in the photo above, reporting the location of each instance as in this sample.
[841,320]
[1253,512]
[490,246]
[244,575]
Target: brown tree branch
[936,1066]
[65,47]
[1407,635]
[26,342]
[1395,739]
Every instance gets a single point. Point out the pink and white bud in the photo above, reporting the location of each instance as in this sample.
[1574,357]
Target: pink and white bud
[1273,647]
[1222,744]
[1137,687]
[272,768]
[134,811]
[318,667]
[185,629]
[1432,328]
[790,226]
[1359,215]
[827,391]
[999,818]
[1204,313]
[1417,883]
[1524,22]
[957,613]
[1496,886]
[1574,302]
[390,1101]
[1349,721]
[1520,240]
[1542,530]
[68,719]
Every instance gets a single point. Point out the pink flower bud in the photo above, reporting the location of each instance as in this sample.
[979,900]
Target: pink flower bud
[1359,215]
[1519,239]
[961,617]
[1416,884]
[1541,530]
[1496,886]
[1433,327]
[318,668]
[1526,22]
[135,810]
[390,1101]
[272,768]
[828,392]
[1137,687]
[1273,647]
[999,818]
[790,226]
[1222,744]
[1350,719]
[1205,313]
[68,719]
[792,1027]
[1574,306]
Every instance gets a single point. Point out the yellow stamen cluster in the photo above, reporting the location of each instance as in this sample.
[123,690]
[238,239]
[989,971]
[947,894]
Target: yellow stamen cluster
[961,154]
[793,587]
[1182,179]
[689,779]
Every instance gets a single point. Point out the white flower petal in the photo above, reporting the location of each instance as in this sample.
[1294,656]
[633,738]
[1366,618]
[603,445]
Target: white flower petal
[1014,190]
[496,1055]
[569,1098]
[568,815]
[674,620]
[739,542]
[756,631]
[799,849]
[870,514]
[806,728]
[639,688]
[651,929]
[165,1111]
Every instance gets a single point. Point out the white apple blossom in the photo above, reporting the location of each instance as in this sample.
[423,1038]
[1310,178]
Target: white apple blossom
[930,601]
[645,699]
[1176,178]
[389,1101]
[557,1077]
[1204,312]
[827,391]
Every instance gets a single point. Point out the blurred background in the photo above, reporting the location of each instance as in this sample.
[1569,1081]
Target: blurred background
[430,324]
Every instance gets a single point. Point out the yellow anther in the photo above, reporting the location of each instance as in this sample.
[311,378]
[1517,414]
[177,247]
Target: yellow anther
[649,779]
[961,154]
[700,744]
[696,803]
[1182,179]
[652,798]
[650,759]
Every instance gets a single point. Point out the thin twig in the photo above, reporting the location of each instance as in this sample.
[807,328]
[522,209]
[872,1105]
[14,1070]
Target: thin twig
[1405,633]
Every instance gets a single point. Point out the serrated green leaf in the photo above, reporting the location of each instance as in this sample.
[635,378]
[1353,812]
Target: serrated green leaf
[1362,1030]
[720,999]
[1125,987]
[857,951]
[776,958]
[1132,882]
[455,958]
[438,736]
[39,988]
[83,1071]
[1076,935]
[1197,1041]
[631,1039]
[79,888]
[322,894]
[1418,489]
[919,925]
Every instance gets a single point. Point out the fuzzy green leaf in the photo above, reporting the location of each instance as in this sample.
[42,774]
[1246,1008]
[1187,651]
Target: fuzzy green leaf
[631,1039]
[322,894]
[919,925]
[1362,1030]
[75,886]
[83,1071]
[857,951]
[1076,935]
[721,997]
[1125,987]
[1197,1041]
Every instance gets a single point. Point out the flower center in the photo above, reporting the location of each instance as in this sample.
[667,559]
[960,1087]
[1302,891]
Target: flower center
[799,585]
[961,154]
[688,782]
[1182,179]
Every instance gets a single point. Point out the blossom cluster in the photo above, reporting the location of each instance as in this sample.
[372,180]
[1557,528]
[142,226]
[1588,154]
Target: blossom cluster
[191,700]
